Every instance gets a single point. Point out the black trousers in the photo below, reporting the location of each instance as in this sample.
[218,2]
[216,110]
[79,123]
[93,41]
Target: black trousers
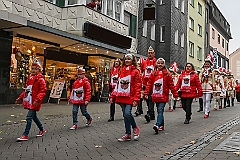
[238,96]
[112,109]
[187,106]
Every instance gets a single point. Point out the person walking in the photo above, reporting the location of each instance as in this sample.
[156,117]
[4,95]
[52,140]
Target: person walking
[208,84]
[114,73]
[237,89]
[80,97]
[32,98]
[147,67]
[190,87]
[160,82]
[128,95]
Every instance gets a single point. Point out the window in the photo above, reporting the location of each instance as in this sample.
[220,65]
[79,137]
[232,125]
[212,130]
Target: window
[133,26]
[213,33]
[223,43]
[191,49]
[176,37]
[191,2]
[145,28]
[191,24]
[110,8]
[182,40]
[153,32]
[206,42]
[161,2]
[182,6]
[199,30]
[176,3]
[118,9]
[199,8]
[206,16]
[162,33]
[227,46]
[199,53]
[72,2]
[218,39]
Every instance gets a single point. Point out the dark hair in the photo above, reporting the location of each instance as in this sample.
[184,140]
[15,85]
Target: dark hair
[190,64]
[119,60]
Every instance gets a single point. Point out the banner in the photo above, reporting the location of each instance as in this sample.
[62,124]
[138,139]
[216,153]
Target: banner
[215,56]
[57,89]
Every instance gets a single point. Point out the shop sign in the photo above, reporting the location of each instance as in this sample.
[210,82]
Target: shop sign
[57,89]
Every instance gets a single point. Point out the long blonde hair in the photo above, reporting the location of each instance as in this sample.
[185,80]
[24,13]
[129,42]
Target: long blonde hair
[134,60]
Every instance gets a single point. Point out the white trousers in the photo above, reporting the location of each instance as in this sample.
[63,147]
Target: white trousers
[207,102]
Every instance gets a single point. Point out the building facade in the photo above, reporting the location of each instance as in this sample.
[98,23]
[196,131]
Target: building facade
[196,33]
[167,32]
[235,63]
[65,34]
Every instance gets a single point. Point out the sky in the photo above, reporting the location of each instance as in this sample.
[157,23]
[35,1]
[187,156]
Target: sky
[231,11]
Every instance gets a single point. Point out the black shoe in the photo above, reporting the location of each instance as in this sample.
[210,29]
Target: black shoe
[155,129]
[200,109]
[136,113]
[147,117]
[228,106]
[186,121]
[111,119]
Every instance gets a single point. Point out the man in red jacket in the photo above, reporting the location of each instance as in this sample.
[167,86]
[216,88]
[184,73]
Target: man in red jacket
[32,98]
[147,67]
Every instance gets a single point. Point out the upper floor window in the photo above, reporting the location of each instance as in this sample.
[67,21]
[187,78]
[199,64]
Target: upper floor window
[145,28]
[162,33]
[191,23]
[213,33]
[153,32]
[218,39]
[227,46]
[176,37]
[182,40]
[206,16]
[176,3]
[110,8]
[199,53]
[223,43]
[118,10]
[191,2]
[71,2]
[206,41]
[199,30]
[191,49]
[199,8]
[182,6]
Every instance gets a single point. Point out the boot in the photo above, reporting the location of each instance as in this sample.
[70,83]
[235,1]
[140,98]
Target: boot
[147,117]
[152,116]
[139,110]
[186,121]
[112,112]
[232,102]
[228,102]
[111,119]
[200,104]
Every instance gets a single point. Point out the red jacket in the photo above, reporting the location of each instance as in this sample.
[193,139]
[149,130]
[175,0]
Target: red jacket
[87,91]
[144,64]
[38,91]
[113,72]
[167,84]
[194,89]
[237,88]
[135,88]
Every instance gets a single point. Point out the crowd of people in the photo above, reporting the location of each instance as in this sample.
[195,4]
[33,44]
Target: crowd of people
[132,82]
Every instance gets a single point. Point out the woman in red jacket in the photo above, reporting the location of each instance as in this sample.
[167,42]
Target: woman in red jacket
[237,88]
[189,85]
[80,97]
[128,94]
[112,86]
[160,81]
[32,98]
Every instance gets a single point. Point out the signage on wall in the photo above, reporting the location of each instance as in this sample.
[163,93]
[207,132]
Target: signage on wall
[215,56]
[57,89]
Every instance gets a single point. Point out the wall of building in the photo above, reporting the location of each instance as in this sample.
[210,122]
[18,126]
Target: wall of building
[235,63]
[193,36]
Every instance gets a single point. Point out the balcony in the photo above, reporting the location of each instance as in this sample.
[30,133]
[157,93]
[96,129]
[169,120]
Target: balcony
[69,19]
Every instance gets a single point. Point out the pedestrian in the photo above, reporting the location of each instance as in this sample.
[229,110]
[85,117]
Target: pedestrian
[114,73]
[230,88]
[208,84]
[190,87]
[128,95]
[237,89]
[32,98]
[216,94]
[160,81]
[147,67]
[200,100]
[80,97]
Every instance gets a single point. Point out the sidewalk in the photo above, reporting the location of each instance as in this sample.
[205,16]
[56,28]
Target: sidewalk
[99,141]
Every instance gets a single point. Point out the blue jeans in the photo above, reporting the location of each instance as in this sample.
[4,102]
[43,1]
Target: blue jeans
[160,110]
[128,117]
[75,113]
[32,115]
